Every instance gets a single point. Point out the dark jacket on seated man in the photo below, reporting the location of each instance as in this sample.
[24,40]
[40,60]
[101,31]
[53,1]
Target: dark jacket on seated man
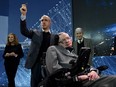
[58,57]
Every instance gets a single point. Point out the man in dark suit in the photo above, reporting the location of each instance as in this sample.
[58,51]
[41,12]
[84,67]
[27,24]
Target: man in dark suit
[40,41]
[81,41]
[60,55]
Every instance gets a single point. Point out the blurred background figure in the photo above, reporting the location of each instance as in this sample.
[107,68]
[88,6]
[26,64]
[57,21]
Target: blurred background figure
[113,48]
[12,54]
[81,41]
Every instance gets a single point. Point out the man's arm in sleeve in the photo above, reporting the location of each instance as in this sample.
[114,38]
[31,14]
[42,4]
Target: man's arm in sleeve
[52,60]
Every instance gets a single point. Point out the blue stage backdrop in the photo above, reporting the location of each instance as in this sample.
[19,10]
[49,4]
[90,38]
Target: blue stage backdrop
[60,13]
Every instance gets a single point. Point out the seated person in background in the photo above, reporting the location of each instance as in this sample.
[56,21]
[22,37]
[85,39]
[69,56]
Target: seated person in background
[59,56]
[81,41]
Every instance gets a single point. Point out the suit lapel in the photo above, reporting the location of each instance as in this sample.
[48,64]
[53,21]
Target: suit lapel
[52,39]
[75,46]
[85,42]
[37,37]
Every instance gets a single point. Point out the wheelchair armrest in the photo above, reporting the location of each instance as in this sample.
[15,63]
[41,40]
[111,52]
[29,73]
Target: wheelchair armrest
[102,68]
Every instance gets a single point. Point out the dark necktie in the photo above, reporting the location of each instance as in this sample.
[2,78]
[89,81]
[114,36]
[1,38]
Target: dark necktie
[80,41]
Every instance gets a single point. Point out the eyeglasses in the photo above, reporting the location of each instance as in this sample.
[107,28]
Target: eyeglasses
[65,39]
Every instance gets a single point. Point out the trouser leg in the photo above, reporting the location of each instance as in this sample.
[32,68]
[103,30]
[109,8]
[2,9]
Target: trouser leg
[36,76]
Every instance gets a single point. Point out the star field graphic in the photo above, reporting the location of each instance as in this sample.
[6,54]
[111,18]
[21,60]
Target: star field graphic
[104,40]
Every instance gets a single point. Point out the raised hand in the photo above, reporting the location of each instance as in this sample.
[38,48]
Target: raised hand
[23,9]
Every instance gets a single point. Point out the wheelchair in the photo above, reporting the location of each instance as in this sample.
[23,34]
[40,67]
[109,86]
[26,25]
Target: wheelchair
[58,78]
[79,67]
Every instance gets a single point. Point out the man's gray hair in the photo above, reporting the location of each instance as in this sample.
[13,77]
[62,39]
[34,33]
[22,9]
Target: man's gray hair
[78,30]
[61,33]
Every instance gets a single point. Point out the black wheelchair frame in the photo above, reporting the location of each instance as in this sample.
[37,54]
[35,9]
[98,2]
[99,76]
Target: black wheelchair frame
[80,66]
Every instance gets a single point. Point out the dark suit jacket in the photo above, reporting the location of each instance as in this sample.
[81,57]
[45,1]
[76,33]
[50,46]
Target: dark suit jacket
[87,43]
[36,40]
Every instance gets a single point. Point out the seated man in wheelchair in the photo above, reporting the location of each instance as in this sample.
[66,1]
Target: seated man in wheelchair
[65,73]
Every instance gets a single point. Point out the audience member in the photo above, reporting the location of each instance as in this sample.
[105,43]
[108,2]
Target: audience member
[12,54]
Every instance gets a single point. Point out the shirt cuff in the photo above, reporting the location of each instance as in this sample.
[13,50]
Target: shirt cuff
[76,78]
[23,17]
